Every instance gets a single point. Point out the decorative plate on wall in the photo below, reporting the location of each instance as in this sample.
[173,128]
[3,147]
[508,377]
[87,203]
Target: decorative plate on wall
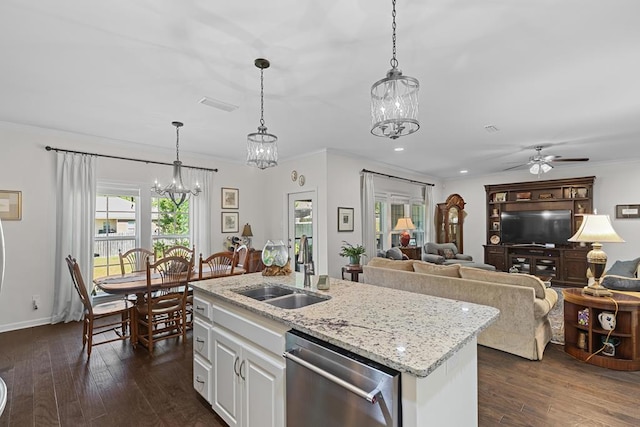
[301,180]
[495,239]
[294,176]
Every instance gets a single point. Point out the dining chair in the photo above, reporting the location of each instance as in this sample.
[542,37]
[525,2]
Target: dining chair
[218,265]
[134,260]
[241,256]
[181,251]
[93,313]
[162,312]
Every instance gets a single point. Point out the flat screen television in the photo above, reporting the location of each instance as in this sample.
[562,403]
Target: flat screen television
[536,227]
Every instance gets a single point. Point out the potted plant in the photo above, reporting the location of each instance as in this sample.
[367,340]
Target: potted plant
[352,252]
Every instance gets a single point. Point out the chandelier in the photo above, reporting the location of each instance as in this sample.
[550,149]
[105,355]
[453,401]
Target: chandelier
[394,99]
[262,148]
[176,191]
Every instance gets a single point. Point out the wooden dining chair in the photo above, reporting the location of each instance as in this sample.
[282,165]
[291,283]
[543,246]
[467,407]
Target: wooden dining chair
[134,260]
[93,313]
[181,251]
[162,313]
[218,265]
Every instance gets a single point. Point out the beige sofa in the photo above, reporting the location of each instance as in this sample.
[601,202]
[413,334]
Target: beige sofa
[523,327]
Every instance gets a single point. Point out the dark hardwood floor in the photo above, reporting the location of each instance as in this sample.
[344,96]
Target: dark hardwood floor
[51,384]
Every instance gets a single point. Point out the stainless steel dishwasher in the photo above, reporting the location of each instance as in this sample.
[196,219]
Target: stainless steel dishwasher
[329,386]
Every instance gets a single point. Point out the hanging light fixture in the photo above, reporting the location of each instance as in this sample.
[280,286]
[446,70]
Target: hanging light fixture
[176,191]
[262,148]
[394,99]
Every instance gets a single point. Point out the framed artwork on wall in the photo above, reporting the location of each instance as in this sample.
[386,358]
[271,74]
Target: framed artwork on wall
[10,205]
[627,211]
[230,198]
[230,222]
[345,219]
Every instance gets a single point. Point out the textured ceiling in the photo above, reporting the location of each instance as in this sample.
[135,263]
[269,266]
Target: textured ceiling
[558,74]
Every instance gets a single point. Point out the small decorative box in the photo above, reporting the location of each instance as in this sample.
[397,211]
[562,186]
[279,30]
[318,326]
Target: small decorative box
[583,317]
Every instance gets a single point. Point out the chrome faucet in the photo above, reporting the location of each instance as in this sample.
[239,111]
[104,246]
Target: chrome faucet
[304,258]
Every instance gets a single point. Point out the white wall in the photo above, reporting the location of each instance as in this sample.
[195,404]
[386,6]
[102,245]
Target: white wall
[26,166]
[615,184]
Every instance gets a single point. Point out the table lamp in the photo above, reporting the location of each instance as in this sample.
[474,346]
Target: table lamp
[596,229]
[247,234]
[405,224]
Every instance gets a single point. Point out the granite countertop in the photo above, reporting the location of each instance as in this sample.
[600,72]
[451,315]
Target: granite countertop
[409,332]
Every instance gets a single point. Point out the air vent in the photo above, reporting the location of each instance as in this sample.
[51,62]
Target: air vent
[218,104]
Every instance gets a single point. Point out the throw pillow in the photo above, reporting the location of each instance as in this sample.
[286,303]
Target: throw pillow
[516,279]
[624,268]
[392,264]
[452,270]
[447,253]
[394,253]
[620,283]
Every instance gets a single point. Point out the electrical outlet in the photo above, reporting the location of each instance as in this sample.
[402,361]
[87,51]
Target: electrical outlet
[36,301]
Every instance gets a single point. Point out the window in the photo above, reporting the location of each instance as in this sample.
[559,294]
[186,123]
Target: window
[388,209]
[115,228]
[169,225]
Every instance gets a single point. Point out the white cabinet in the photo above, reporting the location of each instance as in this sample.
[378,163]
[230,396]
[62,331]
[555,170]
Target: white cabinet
[243,362]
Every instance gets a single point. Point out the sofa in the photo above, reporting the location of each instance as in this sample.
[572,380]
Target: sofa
[447,254]
[523,327]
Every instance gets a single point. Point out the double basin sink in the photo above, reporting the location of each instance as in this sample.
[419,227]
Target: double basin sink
[281,296]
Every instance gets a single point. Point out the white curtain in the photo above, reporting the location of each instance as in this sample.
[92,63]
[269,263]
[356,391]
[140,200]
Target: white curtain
[200,211]
[75,212]
[367,201]
[430,207]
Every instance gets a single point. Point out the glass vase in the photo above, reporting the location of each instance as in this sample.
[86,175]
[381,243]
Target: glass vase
[275,253]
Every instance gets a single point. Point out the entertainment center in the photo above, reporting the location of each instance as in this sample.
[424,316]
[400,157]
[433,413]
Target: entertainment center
[528,224]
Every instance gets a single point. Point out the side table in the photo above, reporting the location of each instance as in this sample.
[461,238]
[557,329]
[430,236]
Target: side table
[585,337]
[413,252]
[354,270]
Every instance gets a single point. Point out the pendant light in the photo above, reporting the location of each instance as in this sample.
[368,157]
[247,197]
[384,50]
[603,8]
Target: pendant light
[262,148]
[394,99]
[176,191]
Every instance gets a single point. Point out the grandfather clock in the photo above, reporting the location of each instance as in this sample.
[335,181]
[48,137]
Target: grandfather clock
[449,221]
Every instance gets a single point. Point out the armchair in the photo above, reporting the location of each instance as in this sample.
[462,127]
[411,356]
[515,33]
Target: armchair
[444,253]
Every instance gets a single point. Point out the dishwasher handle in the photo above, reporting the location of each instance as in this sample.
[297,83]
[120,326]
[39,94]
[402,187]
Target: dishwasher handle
[371,396]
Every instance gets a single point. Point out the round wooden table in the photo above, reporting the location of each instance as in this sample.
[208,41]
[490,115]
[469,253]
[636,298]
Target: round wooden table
[354,270]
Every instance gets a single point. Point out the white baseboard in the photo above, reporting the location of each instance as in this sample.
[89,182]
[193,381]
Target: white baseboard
[23,325]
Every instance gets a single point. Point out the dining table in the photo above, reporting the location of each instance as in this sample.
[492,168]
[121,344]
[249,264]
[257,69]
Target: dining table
[136,282]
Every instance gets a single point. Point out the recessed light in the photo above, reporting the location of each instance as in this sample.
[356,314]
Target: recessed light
[218,104]
[491,128]
[464,171]
[398,149]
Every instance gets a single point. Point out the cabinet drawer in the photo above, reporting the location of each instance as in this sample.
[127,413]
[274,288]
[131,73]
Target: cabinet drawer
[494,250]
[202,307]
[575,254]
[201,338]
[202,377]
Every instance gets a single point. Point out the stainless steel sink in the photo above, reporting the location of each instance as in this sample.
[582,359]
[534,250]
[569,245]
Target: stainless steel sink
[281,296]
[297,300]
[265,292]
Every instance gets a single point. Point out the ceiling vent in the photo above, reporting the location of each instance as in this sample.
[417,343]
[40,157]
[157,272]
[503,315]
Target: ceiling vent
[218,104]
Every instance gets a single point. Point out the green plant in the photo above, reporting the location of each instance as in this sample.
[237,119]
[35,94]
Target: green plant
[350,251]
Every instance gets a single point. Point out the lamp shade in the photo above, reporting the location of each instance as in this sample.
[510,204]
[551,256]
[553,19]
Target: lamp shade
[246,231]
[596,228]
[404,224]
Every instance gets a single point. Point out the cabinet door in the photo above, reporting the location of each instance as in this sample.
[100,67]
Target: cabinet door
[263,389]
[226,382]
[575,267]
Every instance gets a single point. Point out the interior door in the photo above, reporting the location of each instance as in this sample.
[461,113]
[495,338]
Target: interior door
[301,220]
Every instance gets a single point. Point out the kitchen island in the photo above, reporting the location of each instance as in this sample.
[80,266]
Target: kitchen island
[430,340]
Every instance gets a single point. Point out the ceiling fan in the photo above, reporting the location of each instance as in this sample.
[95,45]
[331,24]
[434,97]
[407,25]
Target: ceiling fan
[540,163]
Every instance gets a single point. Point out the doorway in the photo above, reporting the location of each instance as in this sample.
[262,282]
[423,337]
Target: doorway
[301,220]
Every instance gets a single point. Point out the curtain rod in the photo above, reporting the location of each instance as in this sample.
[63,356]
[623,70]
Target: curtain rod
[48,148]
[397,177]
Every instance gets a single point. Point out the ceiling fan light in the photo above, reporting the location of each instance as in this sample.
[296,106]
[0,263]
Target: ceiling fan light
[546,167]
[534,169]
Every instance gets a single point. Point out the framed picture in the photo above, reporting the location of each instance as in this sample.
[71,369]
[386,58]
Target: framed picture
[230,222]
[500,197]
[495,225]
[230,198]
[627,211]
[10,205]
[412,241]
[345,219]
